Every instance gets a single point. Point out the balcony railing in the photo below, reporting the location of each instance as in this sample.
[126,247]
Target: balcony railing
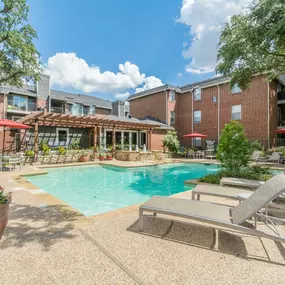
[30,107]
[281,95]
[58,110]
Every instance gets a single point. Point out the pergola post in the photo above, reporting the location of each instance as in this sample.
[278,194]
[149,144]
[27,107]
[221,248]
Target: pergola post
[149,133]
[94,141]
[36,140]
[114,140]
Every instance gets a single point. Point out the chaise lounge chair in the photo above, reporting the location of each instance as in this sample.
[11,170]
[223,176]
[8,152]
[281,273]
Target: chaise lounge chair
[241,182]
[231,218]
[255,155]
[275,157]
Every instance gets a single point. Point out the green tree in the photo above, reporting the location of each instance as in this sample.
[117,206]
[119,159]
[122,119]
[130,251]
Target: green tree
[234,149]
[19,58]
[171,141]
[254,43]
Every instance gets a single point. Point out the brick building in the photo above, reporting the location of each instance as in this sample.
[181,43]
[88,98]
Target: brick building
[206,106]
[17,103]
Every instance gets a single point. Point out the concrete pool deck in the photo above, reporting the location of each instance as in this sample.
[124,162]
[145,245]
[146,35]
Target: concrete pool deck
[42,246]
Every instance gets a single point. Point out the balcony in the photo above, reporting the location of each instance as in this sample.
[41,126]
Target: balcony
[281,96]
[58,110]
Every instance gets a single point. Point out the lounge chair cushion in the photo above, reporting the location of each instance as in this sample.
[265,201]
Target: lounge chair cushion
[193,209]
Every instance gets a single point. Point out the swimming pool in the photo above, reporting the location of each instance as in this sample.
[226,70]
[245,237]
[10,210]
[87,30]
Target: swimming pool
[97,189]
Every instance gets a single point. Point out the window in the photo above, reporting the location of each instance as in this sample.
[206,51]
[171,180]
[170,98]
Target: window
[236,89]
[143,138]
[197,117]
[197,94]
[171,95]
[92,110]
[172,118]
[62,135]
[86,110]
[197,142]
[18,103]
[77,109]
[236,112]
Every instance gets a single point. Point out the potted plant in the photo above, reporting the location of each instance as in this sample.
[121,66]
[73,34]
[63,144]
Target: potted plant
[30,155]
[102,156]
[84,156]
[5,200]
[109,156]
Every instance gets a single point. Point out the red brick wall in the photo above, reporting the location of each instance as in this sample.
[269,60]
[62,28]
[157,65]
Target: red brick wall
[156,139]
[42,104]
[153,105]
[254,107]
[101,111]
[209,113]
[183,120]
[273,111]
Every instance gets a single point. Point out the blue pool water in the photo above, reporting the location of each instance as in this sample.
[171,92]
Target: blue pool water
[97,189]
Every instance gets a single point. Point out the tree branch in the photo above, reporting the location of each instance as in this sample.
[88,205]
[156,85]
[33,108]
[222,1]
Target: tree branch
[9,77]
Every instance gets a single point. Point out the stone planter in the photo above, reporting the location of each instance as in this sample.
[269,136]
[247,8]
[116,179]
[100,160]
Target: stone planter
[83,158]
[4,215]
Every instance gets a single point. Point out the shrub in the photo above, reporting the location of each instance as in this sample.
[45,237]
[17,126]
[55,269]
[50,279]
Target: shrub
[30,153]
[255,145]
[45,148]
[61,150]
[253,173]
[234,148]
[74,144]
[171,141]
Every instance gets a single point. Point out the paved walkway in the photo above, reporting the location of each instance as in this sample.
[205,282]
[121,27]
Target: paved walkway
[41,247]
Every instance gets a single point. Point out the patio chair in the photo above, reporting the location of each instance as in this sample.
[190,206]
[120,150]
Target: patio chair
[231,218]
[15,159]
[255,155]
[190,153]
[273,158]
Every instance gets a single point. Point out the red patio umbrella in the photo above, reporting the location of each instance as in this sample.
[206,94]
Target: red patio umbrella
[194,135]
[280,131]
[5,123]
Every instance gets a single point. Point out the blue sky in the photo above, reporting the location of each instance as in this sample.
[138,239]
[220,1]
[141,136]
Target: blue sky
[82,43]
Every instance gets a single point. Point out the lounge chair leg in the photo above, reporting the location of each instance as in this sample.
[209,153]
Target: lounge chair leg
[198,197]
[154,214]
[216,239]
[193,195]
[141,221]
[255,222]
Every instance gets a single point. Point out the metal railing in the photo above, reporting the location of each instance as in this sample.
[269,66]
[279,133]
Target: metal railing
[58,110]
[30,107]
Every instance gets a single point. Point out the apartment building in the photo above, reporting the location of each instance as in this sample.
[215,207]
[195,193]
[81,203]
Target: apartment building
[206,106]
[17,103]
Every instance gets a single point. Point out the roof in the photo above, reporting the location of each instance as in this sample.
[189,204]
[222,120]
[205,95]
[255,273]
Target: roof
[205,83]
[67,120]
[153,90]
[80,98]
[185,88]
[25,90]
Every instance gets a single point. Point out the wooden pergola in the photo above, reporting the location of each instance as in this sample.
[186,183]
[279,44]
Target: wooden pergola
[91,122]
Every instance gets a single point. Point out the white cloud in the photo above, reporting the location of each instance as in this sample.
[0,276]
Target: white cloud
[149,82]
[179,74]
[205,19]
[68,70]
[122,96]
